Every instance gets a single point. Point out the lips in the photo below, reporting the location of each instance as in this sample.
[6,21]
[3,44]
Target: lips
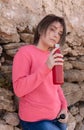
[53,40]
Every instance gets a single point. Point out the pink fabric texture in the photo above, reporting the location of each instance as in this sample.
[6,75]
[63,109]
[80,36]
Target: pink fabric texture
[39,98]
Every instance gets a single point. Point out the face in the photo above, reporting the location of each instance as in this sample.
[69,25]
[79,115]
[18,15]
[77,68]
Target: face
[52,35]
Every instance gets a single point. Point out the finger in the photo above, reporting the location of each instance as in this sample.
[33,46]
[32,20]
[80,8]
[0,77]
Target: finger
[58,55]
[58,59]
[58,63]
[63,120]
[53,51]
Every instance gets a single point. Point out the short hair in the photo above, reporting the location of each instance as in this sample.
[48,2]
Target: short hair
[45,23]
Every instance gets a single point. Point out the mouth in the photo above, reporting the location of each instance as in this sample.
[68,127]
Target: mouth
[54,41]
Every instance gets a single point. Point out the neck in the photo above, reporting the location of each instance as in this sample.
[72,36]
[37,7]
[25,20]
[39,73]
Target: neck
[42,46]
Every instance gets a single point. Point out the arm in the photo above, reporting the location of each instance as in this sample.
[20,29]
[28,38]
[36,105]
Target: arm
[23,81]
[62,98]
[64,109]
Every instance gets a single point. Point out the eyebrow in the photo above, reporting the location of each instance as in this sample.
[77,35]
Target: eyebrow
[56,28]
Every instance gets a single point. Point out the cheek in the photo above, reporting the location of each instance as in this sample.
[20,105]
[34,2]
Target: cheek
[57,40]
[48,33]
[59,37]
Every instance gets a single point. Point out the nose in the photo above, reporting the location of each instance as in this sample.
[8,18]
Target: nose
[56,34]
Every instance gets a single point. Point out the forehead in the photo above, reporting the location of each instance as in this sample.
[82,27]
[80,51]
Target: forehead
[57,25]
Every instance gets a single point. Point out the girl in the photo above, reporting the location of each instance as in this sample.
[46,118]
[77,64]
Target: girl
[40,101]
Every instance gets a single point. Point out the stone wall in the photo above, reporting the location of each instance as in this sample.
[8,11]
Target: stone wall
[18,19]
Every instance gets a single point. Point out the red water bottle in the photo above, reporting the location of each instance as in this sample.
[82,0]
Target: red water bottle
[57,71]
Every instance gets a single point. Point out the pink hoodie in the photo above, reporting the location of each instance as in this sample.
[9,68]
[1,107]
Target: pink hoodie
[39,98]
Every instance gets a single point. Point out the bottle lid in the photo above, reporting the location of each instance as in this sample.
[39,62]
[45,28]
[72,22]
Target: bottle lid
[57,45]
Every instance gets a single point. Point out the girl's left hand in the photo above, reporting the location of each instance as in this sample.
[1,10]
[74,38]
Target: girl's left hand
[66,116]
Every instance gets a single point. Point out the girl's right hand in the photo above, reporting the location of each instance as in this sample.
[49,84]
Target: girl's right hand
[54,59]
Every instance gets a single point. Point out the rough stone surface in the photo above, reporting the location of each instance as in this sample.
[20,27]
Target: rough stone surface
[72,92]
[71,122]
[6,102]
[74,75]
[11,119]
[6,127]
[18,19]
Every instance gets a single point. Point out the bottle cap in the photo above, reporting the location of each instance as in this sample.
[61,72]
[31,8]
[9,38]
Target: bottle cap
[57,45]
[62,116]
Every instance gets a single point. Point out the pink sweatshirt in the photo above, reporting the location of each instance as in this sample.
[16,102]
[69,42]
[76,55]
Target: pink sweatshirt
[39,98]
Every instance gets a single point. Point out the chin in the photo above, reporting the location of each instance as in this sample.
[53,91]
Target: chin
[52,45]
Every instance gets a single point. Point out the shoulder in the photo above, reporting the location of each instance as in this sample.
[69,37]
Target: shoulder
[26,49]
[24,52]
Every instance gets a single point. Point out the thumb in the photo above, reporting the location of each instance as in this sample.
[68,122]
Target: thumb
[53,51]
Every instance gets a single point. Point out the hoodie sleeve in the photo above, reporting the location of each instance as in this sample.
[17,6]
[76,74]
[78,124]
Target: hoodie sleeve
[23,81]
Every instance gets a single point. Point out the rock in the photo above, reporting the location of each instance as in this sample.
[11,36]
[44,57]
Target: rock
[82,58]
[11,52]
[74,75]
[8,32]
[6,102]
[74,110]
[27,38]
[18,20]
[82,88]
[81,109]
[6,68]
[2,122]
[2,112]
[2,60]
[79,51]
[72,92]
[73,15]
[17,128]
[66,49]
[82,128]
[6,127]
[79,126]
[67,65]
[1,49]
[11,118]
[2,80]
[5,80]
[71,122]
[12,48]
[78,118]
[72,58]
[77,64]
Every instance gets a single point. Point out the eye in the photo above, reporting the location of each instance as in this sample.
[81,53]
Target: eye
[52,29]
